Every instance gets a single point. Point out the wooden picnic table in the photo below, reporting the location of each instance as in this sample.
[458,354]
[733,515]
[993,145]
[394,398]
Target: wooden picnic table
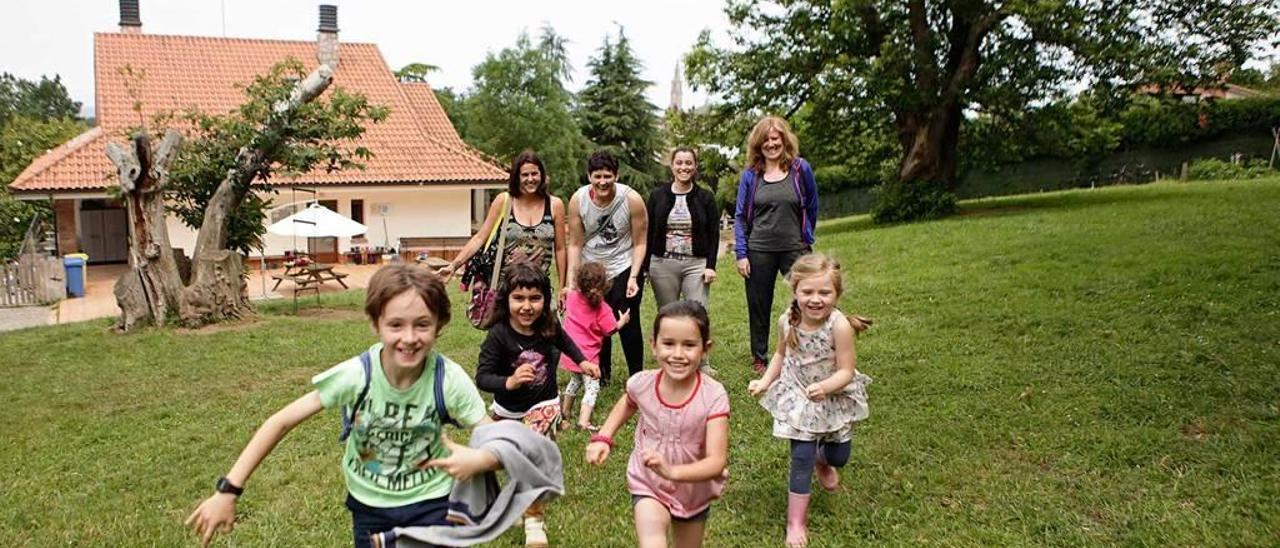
[309,276]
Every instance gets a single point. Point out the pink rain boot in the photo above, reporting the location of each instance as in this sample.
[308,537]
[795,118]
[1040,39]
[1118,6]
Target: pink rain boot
[828,476]
[797,520]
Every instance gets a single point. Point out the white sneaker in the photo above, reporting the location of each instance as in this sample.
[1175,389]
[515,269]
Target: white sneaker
[535,533]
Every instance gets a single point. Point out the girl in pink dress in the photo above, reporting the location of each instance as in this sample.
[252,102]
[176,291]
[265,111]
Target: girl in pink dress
[588,319]
[682,440]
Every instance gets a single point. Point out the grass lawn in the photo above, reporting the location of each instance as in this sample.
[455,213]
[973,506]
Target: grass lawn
[1085,367]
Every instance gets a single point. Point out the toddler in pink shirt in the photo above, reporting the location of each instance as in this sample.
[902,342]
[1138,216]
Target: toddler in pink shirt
[588,319]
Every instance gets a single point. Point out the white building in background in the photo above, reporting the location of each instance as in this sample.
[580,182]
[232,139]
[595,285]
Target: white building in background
[423,189]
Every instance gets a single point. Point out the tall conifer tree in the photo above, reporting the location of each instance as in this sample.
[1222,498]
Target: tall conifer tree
[615,115]
[519,101]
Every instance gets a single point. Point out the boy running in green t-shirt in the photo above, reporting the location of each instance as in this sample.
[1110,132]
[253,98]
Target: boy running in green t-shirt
[396,471]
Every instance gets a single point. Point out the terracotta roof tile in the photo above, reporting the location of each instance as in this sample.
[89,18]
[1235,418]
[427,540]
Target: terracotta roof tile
[416,143]
[78,164]
[429,112]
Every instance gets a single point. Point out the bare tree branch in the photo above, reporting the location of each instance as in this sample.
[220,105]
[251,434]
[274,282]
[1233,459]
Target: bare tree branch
[968,61]
[250,162]
[165,154]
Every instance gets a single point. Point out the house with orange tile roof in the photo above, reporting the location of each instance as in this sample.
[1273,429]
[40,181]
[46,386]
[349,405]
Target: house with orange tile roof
[423,187]
[1201,93]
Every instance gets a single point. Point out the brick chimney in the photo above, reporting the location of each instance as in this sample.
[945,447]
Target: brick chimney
[327,36]
[130,20]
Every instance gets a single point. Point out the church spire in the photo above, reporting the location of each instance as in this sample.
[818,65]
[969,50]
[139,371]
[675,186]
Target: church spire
[677,91]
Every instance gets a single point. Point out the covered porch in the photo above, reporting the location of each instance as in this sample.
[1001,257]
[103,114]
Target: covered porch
[100,301]
[407,221]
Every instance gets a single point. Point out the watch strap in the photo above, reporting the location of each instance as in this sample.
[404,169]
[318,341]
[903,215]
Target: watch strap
[224,485]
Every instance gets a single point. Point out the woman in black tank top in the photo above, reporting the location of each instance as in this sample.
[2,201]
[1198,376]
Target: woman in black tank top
[535,224]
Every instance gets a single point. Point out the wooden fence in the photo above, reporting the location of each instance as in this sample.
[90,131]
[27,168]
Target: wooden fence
[32,280]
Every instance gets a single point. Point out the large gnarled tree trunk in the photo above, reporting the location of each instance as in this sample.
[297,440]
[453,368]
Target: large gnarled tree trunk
[152,291]
[929,141]
[929,131]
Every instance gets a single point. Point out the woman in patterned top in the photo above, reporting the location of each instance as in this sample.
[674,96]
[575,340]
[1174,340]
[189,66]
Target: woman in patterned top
[684,234]
[535,223]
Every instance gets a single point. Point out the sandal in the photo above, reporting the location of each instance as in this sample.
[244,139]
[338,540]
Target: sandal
[589,427]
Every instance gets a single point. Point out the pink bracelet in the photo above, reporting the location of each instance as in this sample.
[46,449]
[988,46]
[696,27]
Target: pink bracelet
[602,439]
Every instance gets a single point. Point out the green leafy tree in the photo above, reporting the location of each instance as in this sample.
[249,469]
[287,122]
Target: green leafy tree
[34,117]
[319,135]
[855,153]
[715,137]
[1076,128]
[454,105]
[615,115]
[519,101]
[1258,79]
[43,100]
[922,65]
[287,125]
[415,72]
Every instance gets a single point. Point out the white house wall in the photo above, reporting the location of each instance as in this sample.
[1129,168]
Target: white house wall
[413,212]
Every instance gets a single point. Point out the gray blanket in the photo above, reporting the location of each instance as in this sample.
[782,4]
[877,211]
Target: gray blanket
[482,511]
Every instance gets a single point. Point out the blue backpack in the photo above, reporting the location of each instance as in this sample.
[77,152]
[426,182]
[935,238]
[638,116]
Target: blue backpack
[349,411]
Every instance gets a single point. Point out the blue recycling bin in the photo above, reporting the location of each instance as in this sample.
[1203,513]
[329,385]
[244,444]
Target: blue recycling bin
[75,275]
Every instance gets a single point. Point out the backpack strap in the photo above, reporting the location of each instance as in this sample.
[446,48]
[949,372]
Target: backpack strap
[442,410]
[349,411]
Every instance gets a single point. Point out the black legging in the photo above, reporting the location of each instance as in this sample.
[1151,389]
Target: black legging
[766,266]
[804,455]
[630,335]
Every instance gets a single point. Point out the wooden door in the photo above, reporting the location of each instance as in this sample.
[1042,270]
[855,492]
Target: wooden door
[91,233]
[115,239]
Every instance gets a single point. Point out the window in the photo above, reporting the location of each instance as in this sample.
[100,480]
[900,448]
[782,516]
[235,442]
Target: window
[279,214]
[357,211]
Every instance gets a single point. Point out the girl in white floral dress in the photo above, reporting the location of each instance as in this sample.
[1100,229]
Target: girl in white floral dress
[811,386]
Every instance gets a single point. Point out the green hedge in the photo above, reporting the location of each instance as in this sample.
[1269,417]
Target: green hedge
[1213,169]
[1162,123]
[841,177]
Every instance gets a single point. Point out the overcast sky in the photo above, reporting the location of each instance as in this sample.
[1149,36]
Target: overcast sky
[47,37]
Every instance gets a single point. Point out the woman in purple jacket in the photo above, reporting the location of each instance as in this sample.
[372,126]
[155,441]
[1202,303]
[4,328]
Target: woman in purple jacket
[774,220]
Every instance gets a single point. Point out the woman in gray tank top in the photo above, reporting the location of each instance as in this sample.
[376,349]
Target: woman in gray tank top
[608,224]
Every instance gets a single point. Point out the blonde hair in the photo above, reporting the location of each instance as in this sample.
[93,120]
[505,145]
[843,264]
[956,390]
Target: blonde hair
[790,145]
[816,265]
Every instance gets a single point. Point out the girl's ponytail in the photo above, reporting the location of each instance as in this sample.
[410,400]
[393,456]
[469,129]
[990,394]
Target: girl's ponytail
[592,282]
[859,323]
[793,319]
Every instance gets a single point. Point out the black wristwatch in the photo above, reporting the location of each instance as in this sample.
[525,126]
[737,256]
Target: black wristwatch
[224,485]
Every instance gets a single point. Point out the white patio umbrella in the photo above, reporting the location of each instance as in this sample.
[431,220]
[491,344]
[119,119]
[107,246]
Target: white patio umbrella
[317,221]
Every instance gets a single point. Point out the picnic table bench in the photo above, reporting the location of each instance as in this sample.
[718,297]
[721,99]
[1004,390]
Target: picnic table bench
[309,277]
